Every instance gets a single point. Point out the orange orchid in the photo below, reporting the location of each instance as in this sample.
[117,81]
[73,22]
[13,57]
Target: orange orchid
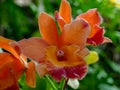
[12,66]
[63,55]
[92,17]
[58,55]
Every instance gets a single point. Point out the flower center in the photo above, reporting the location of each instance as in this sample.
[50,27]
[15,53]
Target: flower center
[60,55]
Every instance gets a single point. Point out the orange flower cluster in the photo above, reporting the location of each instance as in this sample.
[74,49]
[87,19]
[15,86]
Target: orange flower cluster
[59,55]
[12,66]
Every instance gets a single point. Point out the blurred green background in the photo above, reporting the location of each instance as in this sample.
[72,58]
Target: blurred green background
[18,20]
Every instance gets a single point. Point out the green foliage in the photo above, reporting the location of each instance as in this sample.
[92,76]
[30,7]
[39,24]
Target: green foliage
[16,22]
[21,22]
[41,83]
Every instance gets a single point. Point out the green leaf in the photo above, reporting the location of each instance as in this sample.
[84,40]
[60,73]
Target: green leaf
[107,87]
[114,66]
[62,83]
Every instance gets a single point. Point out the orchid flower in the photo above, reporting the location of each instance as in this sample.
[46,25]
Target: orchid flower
[63,55]
[92,17]
[58,55]
[13,65]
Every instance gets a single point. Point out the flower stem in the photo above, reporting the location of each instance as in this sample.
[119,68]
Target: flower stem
[50,81]
[65,84]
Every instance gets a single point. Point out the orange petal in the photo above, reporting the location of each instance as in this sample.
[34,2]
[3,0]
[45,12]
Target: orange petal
[48,29]
[98,37]
[5,60]
[73,56]
[33,48]
[41,69]
[60,20]
[107,40]
[31,75]
[95,29]
[7,72]
[75,33]
[10,71]
[18,49]
[65,11]
[18,64]
[18,68]
[6,78]
[5,40]
[92,16]
[83,52]
[5,44]
[13,87]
